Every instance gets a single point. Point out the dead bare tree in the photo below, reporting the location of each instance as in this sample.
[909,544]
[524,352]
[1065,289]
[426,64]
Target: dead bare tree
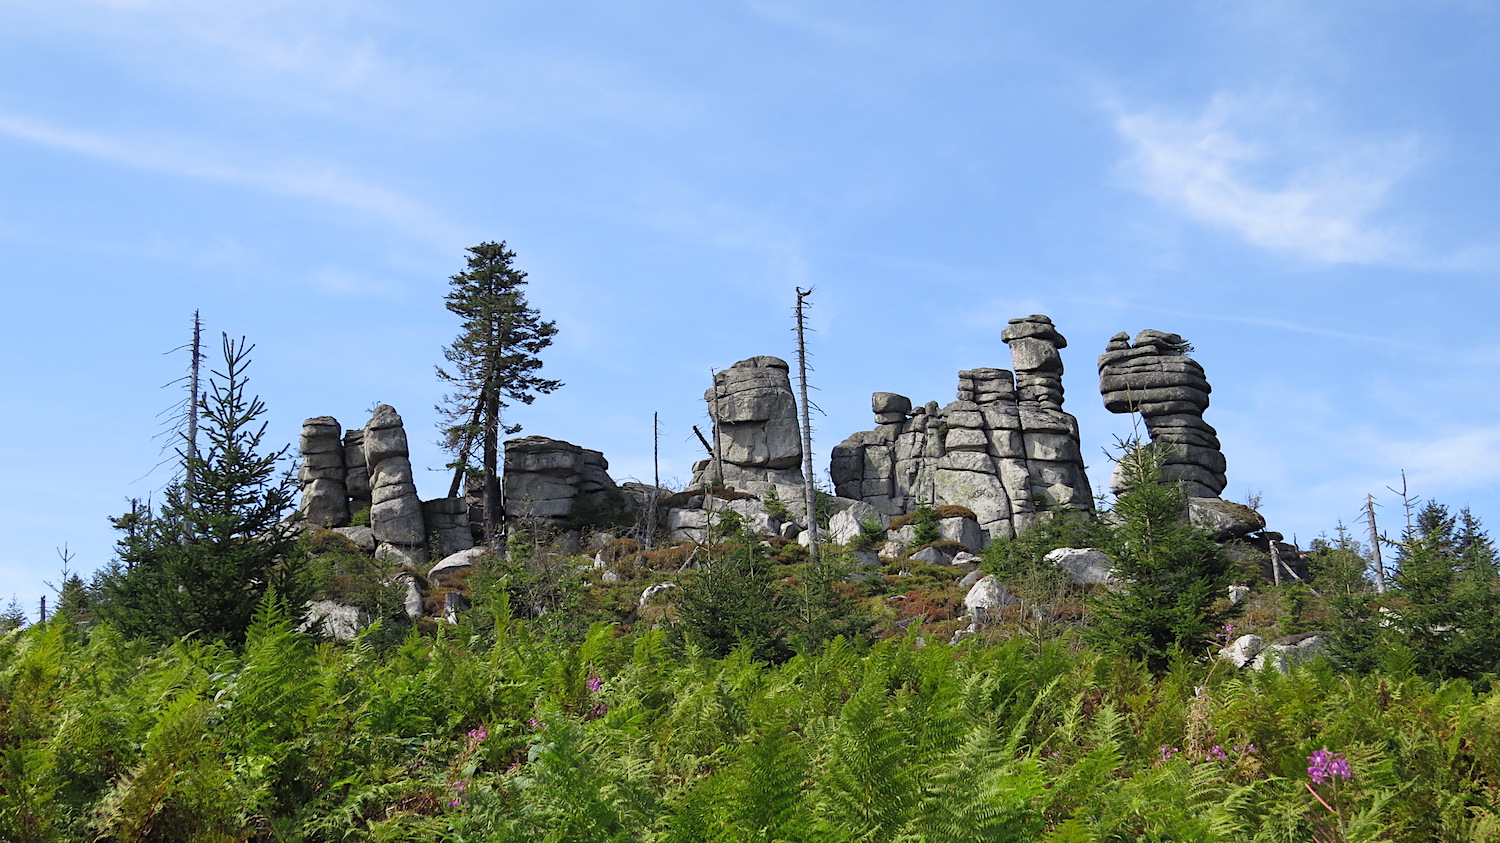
[1375,544]
[807,459]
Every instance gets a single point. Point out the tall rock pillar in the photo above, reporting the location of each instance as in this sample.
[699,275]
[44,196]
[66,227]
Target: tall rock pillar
[325,498]
[395,511]
[1049,435]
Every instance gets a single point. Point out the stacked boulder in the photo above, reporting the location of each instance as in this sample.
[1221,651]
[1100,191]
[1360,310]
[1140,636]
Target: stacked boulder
[325,497]
[395,510]
[1054,459]
[1154,376]
[557,483]
[1005,449]
[756,434]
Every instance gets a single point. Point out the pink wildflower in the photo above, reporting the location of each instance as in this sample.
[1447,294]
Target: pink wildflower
[1323,765]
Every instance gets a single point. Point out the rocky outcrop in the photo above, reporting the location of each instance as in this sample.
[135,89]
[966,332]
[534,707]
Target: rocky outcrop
[557,483]
[1154,376]
[325,497]
[1005,449]
[756,433]
[395,510]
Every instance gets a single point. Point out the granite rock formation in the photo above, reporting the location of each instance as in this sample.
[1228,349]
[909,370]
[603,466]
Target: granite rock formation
[1005,449]
[325,496]
[755,426]
[395,511]
[1154,376]
[557,482]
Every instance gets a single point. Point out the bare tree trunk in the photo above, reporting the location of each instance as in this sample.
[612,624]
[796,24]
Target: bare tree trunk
[654,501]
[468,443]
[713,413]
[1375,545]
[189,472]
[807,459]
[493,508]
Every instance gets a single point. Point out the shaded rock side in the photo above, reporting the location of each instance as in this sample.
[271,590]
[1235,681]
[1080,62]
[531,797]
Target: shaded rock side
[1154,376]
[756,432]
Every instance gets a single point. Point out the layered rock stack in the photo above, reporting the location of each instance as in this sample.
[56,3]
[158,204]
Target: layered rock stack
[1003,451]
[1054,459]
[755,425]
[395,511]
[1154,376]
[557,483]
[325,497]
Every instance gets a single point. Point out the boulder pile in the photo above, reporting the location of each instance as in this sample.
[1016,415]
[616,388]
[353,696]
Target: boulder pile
[1005,449]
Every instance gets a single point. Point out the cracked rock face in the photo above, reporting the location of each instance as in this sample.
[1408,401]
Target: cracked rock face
[755,425]
[1154,376]
[1005,449]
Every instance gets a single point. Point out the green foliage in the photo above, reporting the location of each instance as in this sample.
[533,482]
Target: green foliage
[1174,574]
[733,602]
[1338,565]
[520,736]
[871,535]
[202,563]
[776,508]
[493,362]
[360,518]
[1447,607]
[924,521]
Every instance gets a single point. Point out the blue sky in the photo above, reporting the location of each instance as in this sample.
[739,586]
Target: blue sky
[1305,191]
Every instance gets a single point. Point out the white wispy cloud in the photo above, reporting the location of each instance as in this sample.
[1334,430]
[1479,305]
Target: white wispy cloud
[174,156]
[1289,187]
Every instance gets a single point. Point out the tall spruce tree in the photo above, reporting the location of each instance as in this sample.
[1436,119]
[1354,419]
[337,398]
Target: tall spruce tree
[203,561]
[1174,574]
[1447,601]
[492,363]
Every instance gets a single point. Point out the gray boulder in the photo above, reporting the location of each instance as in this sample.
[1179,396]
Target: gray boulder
[455,561]
[1225,519]
[846,526]
[1243,650]
[986,599]
[362,536]
[335,620]
[1084,565]
[1292,650]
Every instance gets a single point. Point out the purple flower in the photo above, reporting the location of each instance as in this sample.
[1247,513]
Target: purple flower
[536,724]
[1168,751]
[1217,753]
[1323,765]
[477,735]
[459,786]
[453,803]
[594,684]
